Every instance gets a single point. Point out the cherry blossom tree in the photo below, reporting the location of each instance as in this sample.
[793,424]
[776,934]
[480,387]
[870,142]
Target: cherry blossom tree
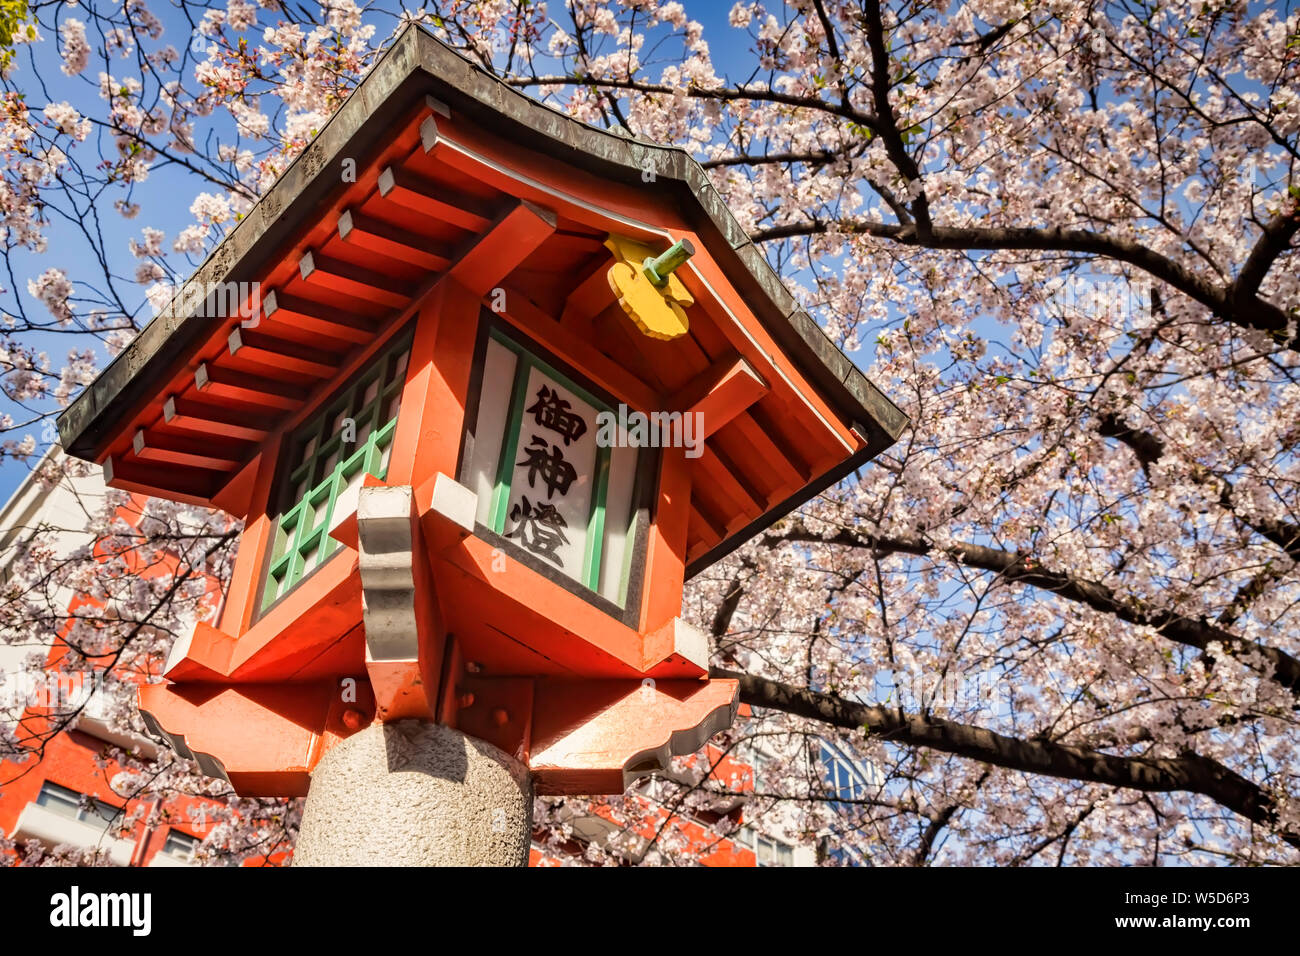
[1055,622]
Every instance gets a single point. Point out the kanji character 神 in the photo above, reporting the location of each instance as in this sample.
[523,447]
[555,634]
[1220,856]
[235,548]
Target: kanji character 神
[557,473]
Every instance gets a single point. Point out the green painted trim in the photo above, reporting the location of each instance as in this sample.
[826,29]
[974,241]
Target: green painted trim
[510,444]
[286,571]
[625,575]
[545,366]
[596,522]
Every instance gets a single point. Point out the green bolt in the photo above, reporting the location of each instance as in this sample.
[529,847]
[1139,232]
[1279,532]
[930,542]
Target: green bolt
[658,268]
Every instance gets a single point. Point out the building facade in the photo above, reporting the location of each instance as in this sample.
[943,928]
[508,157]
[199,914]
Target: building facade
[61,799]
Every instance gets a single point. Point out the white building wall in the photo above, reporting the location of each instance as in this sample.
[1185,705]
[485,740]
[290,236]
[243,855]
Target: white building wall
[66,509]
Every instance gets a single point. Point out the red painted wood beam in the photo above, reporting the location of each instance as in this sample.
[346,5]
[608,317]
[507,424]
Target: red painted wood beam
[719,476]
[429,128]
[241,387]
[375,235]
[429,198]
[721,392]
[316,318]
[702,527]
[282,354]
[174,483]
[513,237]
[222,420]
[357,281]
[589,298]
[788,476]
[205,453]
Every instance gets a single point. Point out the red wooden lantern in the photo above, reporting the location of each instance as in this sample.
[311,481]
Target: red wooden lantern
[487,386]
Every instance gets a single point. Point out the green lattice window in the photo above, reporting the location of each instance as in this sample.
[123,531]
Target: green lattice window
[325,463]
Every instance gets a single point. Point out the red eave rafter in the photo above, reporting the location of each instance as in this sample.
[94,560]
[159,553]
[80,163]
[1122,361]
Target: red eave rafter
[328,297]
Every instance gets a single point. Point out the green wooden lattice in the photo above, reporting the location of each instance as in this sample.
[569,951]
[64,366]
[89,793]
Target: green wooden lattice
[325,458]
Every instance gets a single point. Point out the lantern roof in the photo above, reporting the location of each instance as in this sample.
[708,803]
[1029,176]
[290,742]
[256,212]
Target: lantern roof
[418,84]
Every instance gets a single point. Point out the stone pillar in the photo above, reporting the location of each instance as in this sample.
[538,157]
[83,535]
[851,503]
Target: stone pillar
[415,793]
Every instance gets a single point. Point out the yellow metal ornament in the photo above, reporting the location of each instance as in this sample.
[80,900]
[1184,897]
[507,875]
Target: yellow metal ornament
[653,298]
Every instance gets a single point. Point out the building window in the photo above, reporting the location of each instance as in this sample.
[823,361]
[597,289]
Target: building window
[325,462]
[842,777]
[768,851]
[180,845]
[74,805]
[555,484]
[758,762]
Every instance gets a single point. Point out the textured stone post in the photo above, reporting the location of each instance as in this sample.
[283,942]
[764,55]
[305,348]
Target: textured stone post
[415,793]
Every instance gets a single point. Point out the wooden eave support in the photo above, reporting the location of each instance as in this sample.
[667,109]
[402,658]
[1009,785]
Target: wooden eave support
[218,420]
[588,299]
[789,477]
[717,474]
[429,127]
[710,533]
[356,281]
[418,194]
[205,453]
[316,318]
[282,354]
[191,485]
[721,392]
[513,237]
[375,235]
[242,387]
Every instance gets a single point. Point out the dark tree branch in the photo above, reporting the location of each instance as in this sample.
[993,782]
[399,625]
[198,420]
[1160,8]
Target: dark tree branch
[1249,312]
[722,93]
[1021,569]
[886,125]
[940,821]
[1191,772]
[1275,240]
[1149,449]
[815,158]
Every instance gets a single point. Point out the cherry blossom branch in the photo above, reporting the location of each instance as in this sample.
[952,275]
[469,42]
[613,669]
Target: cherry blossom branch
[939,822]
[887,123]
[1275,240]
[1149,449]
[723,94]
[812,158]
[1246,311]
[1190,772]
[1022,569]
